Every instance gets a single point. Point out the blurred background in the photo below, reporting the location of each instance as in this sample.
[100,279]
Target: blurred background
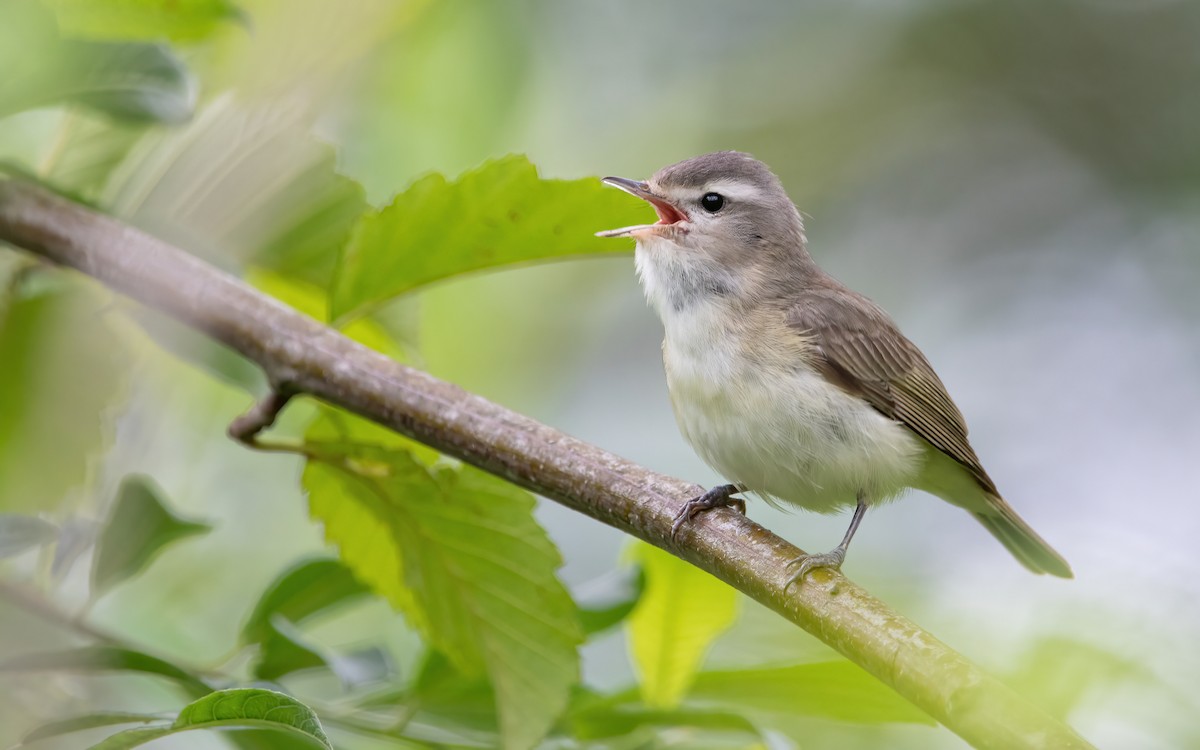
[1017,183]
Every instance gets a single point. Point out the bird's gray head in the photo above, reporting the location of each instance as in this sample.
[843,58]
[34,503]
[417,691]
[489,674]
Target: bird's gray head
[725,225]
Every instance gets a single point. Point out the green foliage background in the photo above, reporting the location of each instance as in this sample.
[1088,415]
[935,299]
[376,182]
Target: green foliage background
[1016,182]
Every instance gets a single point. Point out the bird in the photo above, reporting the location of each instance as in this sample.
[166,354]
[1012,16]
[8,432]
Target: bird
[790,385]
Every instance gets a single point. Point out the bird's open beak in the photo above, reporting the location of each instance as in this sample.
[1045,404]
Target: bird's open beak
[668,214]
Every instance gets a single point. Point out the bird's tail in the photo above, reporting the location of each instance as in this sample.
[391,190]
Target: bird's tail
[1023,542]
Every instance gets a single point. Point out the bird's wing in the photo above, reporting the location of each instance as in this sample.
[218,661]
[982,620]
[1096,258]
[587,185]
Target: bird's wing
[862,351]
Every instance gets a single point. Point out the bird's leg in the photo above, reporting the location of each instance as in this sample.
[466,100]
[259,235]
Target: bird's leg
[834,557]
[717,497]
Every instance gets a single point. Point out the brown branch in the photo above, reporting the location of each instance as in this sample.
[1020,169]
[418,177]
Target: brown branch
[306,357]
[259,417]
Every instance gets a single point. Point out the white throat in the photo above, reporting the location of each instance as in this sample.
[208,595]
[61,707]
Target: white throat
[680,280]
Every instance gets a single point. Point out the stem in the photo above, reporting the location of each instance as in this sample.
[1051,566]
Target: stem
[47,610]
[311,358]
[38,605]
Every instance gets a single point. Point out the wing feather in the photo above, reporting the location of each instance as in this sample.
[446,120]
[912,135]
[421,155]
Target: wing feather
[865,352]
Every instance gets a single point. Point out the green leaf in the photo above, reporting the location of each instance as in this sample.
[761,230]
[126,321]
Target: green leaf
[239,708]
[91,721]
[317,211]
[19,533]
[600,611]
[347,428]
[265,739]
[680,614]
[104,659]
[133,81]
[499,214]
[303,590]
[178,20]
[440,702]
[459,553]
[836,690]
[251,707]
[283,651]
[63,358]
[139,528]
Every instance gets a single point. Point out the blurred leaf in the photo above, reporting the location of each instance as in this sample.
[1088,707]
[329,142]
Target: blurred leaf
[129,81]
[441,694]
[309,51]
[498,214]
[446,91]
[836,690]
[91,721]
[200,350]
[678,617]
[132,81]
[19,533]
[63,375]
[104,659]
[76,537]
[441,705]
[362,667]
[323,207]
[459,553]
[243,183]
[139,527]
[1059,672]
[29,47]
[239,708]
[598,613]
[179,20]
[617,721]
[305,589]
[91,147]
[283,650]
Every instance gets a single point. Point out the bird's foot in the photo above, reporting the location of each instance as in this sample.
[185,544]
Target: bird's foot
[834,557]
[808,563]
[717,497]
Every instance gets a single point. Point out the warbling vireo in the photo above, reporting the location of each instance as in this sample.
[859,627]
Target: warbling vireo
[790,385]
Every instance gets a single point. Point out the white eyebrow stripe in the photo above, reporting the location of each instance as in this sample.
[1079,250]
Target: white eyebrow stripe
[736,190]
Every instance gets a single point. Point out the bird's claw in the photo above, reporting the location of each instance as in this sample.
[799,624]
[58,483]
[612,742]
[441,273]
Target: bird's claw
[808,563]
[717,497]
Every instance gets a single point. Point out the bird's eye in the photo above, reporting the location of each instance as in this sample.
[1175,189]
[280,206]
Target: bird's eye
[712,202]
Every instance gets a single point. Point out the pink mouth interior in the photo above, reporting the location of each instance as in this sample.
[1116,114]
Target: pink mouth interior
[667,214]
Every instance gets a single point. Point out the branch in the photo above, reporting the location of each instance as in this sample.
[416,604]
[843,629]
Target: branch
[301,355]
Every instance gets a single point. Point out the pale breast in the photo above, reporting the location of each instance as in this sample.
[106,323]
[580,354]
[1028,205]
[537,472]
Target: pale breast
[751,407]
